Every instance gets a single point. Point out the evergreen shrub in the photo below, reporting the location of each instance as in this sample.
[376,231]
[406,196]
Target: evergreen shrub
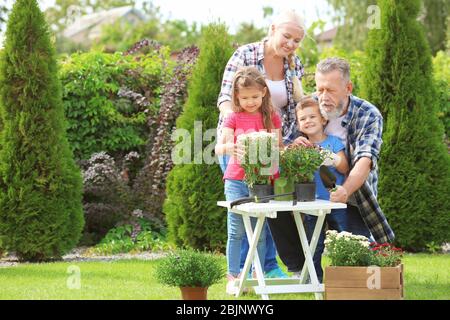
[41,215]
[193,217]
[414,165]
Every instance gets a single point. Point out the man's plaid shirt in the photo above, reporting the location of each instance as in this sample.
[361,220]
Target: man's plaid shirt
[253,55]
[364,124]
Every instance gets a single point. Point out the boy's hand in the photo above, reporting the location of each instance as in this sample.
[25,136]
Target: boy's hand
[303,141]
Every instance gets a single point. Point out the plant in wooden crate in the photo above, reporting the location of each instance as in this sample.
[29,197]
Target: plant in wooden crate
[259,161]
[193,271]
[361,270]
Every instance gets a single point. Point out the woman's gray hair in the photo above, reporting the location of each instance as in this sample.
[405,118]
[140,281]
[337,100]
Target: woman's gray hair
[330,64]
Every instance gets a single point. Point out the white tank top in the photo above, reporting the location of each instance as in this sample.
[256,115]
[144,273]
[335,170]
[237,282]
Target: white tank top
[278,92]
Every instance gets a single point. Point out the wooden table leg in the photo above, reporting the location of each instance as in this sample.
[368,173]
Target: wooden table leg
[252,254]
[308,250]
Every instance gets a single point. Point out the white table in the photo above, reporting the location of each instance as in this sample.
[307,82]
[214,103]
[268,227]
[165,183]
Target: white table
[261,211]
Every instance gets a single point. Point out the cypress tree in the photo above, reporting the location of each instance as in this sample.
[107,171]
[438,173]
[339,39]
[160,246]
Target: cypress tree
[435,22]
[41,215]
[193,217]
[414,165]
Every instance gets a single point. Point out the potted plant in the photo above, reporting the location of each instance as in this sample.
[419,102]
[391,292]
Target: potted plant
[361,270]
[192,271]
[259,161]
[298,164]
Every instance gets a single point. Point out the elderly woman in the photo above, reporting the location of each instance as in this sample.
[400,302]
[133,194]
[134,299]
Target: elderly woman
[276,59]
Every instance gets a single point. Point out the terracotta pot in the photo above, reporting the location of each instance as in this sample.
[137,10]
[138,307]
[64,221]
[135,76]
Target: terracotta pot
[194,293]
[360,283]
[305,192]
[261,190]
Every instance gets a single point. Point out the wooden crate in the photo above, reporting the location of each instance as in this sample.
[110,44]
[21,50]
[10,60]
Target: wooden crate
[350,283]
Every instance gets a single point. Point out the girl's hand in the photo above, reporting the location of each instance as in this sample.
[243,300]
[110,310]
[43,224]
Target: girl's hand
[239,151]
[235,150]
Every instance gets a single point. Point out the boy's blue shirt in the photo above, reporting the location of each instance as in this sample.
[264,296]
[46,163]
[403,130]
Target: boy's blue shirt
[335,145]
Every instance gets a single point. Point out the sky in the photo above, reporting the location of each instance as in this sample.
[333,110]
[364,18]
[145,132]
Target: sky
[233,12]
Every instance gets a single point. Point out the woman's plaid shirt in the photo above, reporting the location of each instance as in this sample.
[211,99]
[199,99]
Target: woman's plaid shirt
[253,55]
[364,124]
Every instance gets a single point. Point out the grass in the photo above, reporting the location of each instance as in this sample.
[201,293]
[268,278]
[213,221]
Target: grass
[426,278]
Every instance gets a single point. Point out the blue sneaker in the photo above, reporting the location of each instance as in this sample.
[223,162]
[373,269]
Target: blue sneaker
[275,273]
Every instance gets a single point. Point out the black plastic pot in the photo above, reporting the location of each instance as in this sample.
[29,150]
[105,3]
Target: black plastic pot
[261,190]
[305,192]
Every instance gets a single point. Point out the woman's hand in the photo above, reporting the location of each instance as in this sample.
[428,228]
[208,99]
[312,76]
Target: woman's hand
[225,109]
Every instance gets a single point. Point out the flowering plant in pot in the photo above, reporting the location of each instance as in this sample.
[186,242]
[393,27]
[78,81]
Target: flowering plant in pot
[298,164]
[361,269]
[259,161]
[193,271]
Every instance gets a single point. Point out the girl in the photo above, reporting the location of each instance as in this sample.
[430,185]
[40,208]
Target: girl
[275,57]
[252,111]
[311,123]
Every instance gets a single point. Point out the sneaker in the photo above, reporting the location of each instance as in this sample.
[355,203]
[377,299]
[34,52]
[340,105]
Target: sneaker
[231,284]
[276,273]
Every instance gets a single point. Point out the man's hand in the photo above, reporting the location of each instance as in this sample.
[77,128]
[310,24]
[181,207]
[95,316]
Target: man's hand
[339,195]
[303,141]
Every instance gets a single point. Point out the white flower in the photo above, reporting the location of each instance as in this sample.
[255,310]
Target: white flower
[331,233]
[365,243]
[346,234]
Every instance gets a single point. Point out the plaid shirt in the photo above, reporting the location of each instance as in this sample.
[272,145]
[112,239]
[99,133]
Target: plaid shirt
[253,55]
[364,124]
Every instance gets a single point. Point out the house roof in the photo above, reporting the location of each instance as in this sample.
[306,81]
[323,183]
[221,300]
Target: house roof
[327,35]
[102,17]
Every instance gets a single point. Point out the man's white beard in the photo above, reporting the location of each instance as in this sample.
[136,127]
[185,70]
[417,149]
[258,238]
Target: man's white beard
[332,115]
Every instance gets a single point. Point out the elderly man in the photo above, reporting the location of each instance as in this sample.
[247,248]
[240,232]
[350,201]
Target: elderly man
[359,125]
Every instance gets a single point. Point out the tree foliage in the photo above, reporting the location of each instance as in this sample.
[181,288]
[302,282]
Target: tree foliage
[414,165]
[63,12]
[434,17]
[150,184]
[3,13]
[352,17]
[193,190]
[108,99]
[41,214]
[247,32]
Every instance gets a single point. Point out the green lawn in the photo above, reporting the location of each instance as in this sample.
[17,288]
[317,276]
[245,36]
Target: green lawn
[426,277]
